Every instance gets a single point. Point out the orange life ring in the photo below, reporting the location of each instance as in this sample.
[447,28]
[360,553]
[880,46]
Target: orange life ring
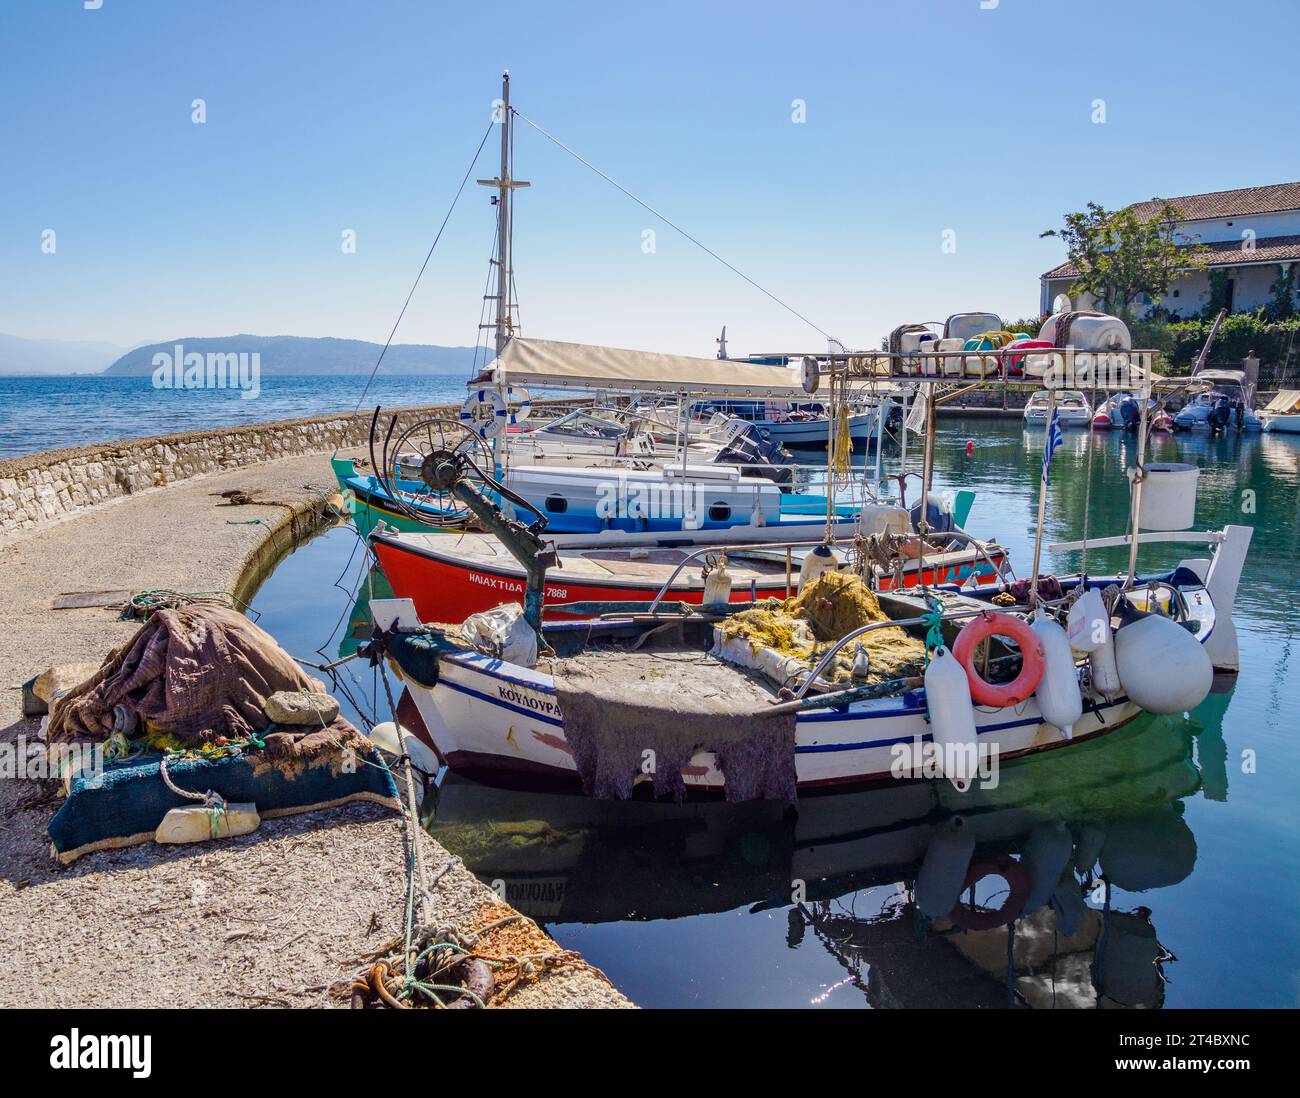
[993,623]
[980,918]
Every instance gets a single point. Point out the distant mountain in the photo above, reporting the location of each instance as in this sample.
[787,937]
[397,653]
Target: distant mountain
[54,356]
[304,356]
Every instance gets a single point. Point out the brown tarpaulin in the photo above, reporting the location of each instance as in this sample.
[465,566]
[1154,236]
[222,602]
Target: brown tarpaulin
[202,673]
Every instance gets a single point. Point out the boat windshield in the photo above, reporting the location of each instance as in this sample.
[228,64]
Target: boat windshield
[584,425]
[1064,397]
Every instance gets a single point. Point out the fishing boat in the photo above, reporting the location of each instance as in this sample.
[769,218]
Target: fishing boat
[1071,407]
[1282,414]
[450,578]
[489,717]
[743,693]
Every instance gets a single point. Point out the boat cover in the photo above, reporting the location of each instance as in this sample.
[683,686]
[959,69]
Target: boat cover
[1284,403]
[545,362]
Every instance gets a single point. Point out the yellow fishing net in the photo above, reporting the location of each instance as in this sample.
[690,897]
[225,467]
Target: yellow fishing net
[828,608]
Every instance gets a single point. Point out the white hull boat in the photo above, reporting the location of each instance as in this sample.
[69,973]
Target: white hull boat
[497,720]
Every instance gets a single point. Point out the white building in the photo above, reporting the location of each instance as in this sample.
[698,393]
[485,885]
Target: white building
[1252,234]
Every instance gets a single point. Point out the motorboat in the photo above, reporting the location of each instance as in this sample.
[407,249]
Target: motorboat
[1123,412]
[1071,407]
[1227,403]
[1282,414]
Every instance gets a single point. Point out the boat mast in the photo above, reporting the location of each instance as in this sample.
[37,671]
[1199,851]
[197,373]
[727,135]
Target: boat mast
[504,324]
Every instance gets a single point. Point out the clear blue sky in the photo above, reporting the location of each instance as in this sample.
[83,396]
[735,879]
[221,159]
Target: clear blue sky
[330,115]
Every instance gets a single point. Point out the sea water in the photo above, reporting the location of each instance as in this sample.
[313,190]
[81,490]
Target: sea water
[752,905]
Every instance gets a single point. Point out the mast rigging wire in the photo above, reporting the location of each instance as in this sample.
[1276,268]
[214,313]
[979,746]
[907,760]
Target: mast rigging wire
[672,225]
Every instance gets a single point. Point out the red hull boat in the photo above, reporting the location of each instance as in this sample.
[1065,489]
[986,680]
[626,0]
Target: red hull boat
[449,576]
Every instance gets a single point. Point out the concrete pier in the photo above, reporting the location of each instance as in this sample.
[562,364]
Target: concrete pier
[282,917]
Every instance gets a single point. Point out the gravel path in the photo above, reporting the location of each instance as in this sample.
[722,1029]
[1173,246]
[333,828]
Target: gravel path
[276,918]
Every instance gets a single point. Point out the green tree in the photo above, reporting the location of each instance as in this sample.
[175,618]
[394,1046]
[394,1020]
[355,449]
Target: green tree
[1121,256]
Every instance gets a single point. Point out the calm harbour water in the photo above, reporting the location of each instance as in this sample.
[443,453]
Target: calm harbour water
[48,413]
[692,906]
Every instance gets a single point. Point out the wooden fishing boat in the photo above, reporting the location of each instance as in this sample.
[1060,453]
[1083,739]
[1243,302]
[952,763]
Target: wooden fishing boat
[449,577]
[498,721]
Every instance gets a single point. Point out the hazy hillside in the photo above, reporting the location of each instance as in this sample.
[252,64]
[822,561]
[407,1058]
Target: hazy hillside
[297,355]
[54,356]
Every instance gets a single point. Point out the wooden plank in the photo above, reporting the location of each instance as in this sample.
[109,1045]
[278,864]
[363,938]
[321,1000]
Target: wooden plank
[84,600]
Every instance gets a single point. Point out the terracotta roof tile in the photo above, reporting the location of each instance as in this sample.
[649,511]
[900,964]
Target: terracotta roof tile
[1272,198]
[1224,253]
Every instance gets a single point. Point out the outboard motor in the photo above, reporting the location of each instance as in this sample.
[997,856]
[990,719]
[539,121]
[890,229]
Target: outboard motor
[938,515]
[1220,414]
[1130,414]
[758,456]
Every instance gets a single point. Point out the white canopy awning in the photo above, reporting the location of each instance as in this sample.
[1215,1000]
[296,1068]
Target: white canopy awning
[544,362]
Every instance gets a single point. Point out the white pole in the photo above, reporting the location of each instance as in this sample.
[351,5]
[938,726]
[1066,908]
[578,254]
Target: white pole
[1136,502]
[1042,499]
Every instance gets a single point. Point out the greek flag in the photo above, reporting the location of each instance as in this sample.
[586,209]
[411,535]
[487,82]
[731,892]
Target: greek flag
[1054,439]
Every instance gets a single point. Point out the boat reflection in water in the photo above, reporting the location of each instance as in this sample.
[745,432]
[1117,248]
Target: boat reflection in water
[921,894]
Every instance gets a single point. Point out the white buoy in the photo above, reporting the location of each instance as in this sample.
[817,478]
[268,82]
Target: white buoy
[1163,667]
[1058,696]
[1087,624]
[717,585]
[1102,669]
[1048,849]
[196,823]
[943,870]
[952,719]
[822,559]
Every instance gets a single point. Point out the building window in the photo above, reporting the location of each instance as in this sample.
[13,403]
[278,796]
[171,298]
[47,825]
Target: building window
[1177,292]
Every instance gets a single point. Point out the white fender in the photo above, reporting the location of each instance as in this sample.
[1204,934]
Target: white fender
[717,586]
[1163,667]
[820,560]
[1104,672]
[943,870]
[1048,849]
[1058,694]
[1087,624]
[389,737]
[952,719]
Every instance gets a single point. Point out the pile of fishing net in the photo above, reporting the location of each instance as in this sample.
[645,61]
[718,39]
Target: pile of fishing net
[786,637]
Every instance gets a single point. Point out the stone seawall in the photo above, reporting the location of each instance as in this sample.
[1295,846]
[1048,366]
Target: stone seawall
[39,488]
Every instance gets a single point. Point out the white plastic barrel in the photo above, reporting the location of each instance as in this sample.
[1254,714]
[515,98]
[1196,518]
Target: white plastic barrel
[1168,496]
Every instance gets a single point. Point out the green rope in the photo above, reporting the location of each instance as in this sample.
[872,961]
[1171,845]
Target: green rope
[141,605]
